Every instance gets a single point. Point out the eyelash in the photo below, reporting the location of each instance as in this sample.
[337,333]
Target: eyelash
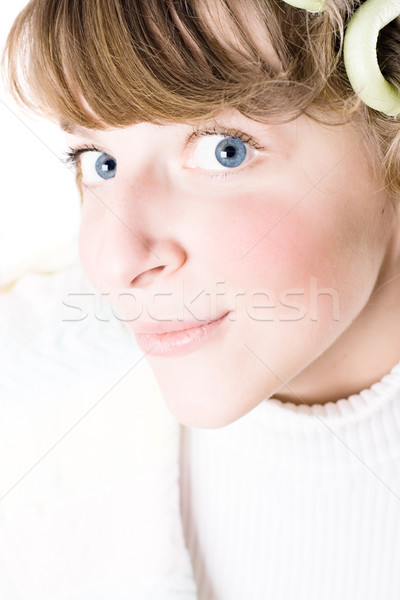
[235,133]
[72,156]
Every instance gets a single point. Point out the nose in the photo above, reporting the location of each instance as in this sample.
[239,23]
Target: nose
[130,245]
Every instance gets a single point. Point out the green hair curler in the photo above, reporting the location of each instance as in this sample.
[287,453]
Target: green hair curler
[359,51]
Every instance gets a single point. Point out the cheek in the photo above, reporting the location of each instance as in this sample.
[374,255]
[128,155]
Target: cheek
[85,247]
[88,246]
[277,247]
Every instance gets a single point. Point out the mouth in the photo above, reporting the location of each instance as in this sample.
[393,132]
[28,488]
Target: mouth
[177,341]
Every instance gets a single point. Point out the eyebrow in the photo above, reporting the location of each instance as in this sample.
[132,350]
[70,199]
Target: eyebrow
[76,129]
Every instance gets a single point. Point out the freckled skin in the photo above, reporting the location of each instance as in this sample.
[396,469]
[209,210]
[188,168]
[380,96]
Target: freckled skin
[306,214]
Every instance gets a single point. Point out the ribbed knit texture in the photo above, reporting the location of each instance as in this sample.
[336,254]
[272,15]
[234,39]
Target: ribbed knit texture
[297,502]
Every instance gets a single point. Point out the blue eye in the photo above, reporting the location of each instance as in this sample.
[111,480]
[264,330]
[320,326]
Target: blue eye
[230,152]
[106,166]
[220,152]
[94,164]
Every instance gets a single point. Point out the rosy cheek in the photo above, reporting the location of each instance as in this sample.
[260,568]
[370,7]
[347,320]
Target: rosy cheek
[278,248]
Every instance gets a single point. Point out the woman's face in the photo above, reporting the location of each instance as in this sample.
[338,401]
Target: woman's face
[279,227]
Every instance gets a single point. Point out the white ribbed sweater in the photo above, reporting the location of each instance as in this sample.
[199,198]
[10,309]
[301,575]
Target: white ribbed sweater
[297,502]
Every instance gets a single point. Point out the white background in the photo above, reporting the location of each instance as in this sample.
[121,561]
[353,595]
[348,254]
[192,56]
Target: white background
[39,203]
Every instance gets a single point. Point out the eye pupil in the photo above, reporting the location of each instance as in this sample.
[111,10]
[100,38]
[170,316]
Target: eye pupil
[230,152]
[108,166]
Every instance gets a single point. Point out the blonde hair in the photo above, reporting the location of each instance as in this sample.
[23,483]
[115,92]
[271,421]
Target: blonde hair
[185,60]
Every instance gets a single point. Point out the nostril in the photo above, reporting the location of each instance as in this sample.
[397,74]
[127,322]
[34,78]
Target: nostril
[149,274]
[156,270]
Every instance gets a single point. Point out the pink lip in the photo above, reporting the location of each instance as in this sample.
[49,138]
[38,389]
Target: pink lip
[170,326]
[185,336]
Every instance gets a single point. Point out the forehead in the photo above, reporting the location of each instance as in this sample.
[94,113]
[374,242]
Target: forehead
[228,116]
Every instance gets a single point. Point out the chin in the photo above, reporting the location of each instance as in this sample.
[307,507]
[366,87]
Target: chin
[205,411]
[214,390]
